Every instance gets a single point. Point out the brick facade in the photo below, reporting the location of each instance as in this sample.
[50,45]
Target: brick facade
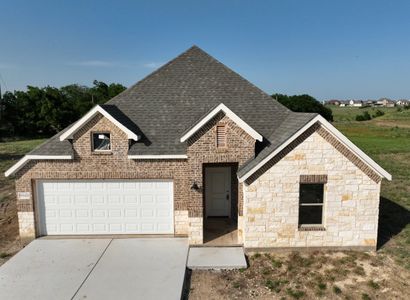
[188,204]
[202,149]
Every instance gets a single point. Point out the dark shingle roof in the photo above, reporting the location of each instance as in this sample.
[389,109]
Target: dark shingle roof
[53,146]
[121,117]
[166,103]
[289,127]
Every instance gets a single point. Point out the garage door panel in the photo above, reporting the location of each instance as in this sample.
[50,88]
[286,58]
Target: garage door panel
[99,228]
[162,199]
[163,226]
[147,199]
[114,199]
[81,200]
[96,186]
[66,213]
[97,199]
[82,213]
[98,213]
[105,207]
[131,213]
[130,199]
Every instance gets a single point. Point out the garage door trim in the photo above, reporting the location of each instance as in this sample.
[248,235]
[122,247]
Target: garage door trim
[40,219]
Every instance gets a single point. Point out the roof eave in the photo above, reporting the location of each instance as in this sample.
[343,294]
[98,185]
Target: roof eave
[17,166]
[336,133]
[88,116]
[234,117]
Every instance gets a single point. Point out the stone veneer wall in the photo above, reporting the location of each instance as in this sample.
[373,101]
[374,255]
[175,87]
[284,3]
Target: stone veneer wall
[351,198]
[116,165]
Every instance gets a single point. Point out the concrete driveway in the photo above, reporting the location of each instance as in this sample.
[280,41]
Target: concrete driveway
[132,268]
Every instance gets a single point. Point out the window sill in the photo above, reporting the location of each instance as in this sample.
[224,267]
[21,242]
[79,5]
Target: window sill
[101,153]
[312,228]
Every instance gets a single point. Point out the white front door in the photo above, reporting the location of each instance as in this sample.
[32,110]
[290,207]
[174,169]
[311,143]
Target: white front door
[70,207]
[218,191]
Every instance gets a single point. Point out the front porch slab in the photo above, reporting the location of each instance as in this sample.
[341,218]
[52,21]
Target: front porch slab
[216,258]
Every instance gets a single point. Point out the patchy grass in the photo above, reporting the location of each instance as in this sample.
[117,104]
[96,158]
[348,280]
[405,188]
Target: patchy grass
[337,290]
[373,284]
[327,275]
[4,255]
[10,152]
[386,139]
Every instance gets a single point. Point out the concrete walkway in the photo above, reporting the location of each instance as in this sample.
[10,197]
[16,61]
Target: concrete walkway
[134,268]
[216,258]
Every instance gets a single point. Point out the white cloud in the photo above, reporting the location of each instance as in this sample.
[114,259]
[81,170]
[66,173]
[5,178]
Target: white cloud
[153,65]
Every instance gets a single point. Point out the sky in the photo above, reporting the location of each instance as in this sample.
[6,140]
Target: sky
[328,49]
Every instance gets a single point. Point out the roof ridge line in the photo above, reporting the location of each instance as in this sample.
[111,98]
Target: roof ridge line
[154,72]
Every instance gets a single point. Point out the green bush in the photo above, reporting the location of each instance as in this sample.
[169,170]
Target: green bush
[378,113]
[365,116]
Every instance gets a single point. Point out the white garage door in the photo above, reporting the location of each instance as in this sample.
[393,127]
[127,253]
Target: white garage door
[105,207]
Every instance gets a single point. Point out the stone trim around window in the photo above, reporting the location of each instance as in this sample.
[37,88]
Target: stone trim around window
[313,178]
[311,228]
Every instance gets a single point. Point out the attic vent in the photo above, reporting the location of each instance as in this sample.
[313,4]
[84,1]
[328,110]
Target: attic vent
[221,136]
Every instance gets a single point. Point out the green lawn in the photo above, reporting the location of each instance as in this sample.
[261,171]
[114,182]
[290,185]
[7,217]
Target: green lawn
[387,140]
[343,114]
[10,153]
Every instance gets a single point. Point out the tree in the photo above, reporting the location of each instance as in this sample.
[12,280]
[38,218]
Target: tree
[304,103]
[45,111]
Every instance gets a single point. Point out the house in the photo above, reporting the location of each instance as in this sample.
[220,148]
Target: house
[403,102]
[370,102]
[386,102]
[333,102]
[356,103]
[196,150]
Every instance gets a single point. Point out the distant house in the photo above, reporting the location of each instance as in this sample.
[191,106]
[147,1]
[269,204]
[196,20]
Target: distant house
[370,102]
[356,103]
[333,102]
[403,102]
[386,102]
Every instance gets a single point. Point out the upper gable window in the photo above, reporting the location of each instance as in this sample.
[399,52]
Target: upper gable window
[101,141]
[221,136]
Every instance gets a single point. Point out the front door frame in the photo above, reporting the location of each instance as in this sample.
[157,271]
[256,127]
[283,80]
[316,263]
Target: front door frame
[233,198]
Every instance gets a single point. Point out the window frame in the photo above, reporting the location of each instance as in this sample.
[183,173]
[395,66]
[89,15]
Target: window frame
[312,226]
[92,142]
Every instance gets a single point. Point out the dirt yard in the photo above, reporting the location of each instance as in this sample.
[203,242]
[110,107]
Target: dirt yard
[9,241]
[316,275]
